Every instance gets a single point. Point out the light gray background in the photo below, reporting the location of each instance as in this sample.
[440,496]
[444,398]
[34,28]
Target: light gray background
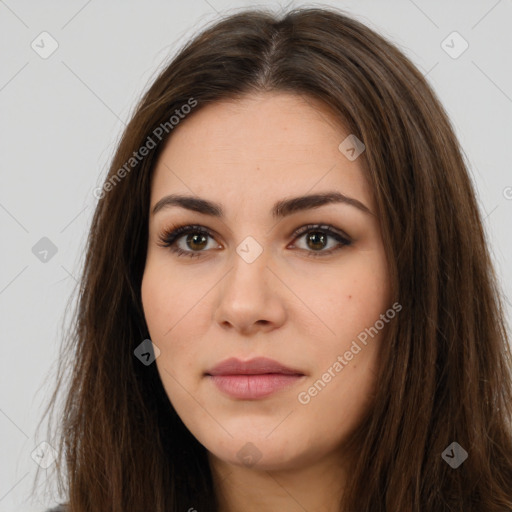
[61,118]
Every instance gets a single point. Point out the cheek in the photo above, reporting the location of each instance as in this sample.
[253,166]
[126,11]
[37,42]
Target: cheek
[159,305]
[346,358]
[166,301]
[154,296]
[347,301]
[162,310]
[174,323]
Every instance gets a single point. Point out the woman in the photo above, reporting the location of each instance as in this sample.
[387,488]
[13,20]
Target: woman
[288,301]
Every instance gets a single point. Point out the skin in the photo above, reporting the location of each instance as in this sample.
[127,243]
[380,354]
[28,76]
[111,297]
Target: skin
[303,311]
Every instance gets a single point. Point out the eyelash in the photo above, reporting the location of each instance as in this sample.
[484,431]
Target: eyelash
[170,236]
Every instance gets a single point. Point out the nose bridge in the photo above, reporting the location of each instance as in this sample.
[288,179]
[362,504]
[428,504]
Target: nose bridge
[249,263]
[251,250]
[248,297]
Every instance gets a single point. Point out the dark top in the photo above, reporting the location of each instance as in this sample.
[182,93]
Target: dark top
[60,508]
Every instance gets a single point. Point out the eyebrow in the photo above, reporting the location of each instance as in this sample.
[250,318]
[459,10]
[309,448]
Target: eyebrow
[279,210]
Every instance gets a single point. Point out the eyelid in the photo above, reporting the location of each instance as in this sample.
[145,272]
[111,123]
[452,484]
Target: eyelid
[321,227]
[172,234]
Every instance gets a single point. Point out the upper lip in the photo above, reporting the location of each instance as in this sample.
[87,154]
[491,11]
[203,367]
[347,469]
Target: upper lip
[256,366]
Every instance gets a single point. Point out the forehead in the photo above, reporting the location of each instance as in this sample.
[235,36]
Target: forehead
[261,146]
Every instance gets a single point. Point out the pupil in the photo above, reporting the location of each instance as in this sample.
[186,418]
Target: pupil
[318,239]
[193,239]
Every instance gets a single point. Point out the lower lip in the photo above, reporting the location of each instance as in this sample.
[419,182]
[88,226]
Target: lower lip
[253,386]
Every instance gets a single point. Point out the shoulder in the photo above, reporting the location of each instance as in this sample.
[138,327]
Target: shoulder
[60,508]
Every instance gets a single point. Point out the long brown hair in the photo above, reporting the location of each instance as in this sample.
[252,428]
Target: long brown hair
[445,373]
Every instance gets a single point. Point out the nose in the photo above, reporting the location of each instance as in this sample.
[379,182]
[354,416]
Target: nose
[250,298]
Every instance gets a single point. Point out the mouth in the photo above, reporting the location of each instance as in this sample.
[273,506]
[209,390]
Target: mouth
[256,366]
[253,379]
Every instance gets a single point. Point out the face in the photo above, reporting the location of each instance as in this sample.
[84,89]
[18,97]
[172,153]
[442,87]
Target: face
[302,282]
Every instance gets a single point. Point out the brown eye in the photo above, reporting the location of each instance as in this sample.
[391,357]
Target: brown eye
[196,241]
[316,240]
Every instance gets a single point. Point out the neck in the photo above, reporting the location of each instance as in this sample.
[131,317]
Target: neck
[318,486]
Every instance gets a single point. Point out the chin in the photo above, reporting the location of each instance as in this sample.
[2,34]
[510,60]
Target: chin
[259,453]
